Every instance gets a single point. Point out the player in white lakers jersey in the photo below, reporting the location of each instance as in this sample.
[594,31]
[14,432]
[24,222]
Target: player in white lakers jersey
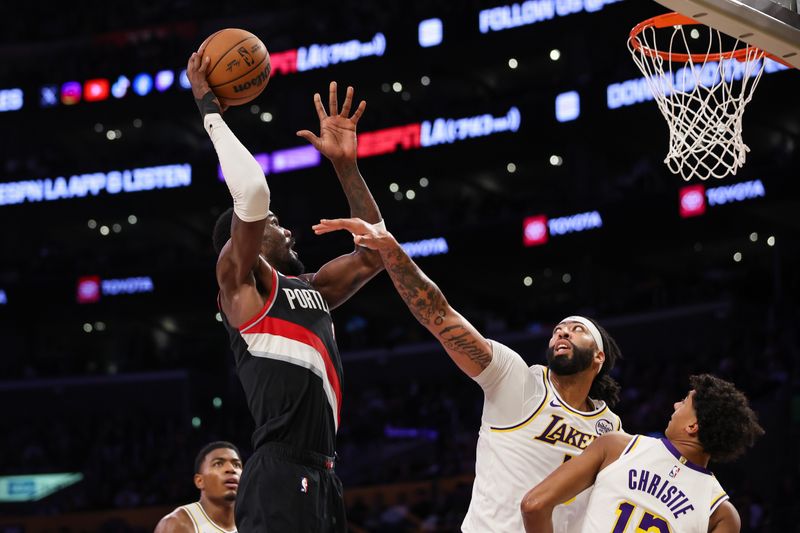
[657,485]
[534,418]
[218,468]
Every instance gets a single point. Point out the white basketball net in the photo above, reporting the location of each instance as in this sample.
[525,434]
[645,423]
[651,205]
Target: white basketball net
[703,101]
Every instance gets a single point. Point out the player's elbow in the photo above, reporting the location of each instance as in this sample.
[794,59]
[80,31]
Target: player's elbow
[258,192]
[534,505]
[253,201]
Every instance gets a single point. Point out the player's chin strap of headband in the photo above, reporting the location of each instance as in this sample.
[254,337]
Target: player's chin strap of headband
[589,325]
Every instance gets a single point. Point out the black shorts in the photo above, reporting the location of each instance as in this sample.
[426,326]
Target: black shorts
[286,490]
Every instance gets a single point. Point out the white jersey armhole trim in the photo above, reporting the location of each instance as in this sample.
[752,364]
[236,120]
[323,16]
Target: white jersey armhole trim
[186,510]
[718,501]
[530,418]
[213,524]
[613,465]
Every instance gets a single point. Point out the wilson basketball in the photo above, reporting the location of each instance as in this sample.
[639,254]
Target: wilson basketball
[239,65]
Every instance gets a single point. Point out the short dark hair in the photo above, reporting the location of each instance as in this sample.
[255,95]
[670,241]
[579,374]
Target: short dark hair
[210,447]
[222,229]
[727,425]
[604,387]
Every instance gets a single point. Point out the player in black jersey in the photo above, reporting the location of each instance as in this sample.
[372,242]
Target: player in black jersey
[279,323]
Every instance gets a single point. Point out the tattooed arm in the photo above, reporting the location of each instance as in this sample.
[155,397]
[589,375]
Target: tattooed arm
[466,346]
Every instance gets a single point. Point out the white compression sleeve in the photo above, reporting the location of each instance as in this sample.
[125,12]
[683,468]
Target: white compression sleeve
[243,174]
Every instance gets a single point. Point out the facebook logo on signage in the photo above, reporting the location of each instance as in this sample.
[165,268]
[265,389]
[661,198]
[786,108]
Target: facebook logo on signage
[430,32]
[568,106]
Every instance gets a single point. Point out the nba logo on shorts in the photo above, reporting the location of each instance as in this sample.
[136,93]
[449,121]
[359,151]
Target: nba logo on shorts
[304,485]
[674,472]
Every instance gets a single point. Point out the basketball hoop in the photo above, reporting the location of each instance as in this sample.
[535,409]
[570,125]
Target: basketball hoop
[702,95]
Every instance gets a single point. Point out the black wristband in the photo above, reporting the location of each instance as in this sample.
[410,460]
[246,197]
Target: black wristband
[208,104]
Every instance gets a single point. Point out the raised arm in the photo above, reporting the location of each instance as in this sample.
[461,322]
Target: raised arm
[248,187]
[568,480]
[468,349]
[340,278]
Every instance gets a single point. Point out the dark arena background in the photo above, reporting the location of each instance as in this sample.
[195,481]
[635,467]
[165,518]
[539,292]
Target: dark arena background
[520,158]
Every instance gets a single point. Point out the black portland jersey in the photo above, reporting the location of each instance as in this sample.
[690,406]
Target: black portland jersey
[289,366]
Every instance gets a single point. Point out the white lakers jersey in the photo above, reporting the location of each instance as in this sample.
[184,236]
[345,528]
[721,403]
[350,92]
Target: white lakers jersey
[202,522]
[526,432]
[651,487]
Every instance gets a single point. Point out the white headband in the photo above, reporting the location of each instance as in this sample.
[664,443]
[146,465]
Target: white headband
[593,331]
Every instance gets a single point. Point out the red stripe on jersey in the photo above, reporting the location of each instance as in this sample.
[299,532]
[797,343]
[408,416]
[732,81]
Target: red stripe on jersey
[267,304]
[290,330]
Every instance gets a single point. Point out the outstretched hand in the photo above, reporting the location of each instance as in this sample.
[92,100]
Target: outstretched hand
[196,73]
[364,234]
[337,131]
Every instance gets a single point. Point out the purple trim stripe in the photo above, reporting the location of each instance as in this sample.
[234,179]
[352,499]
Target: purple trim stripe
[631,444]
[674,451]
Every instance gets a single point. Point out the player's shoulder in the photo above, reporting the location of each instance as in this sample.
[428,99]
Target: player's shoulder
[618,439]
[178,521]
[615,444]
[538,370]
[502,352]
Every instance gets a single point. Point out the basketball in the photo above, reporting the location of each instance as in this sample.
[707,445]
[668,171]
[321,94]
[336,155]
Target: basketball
[239,65]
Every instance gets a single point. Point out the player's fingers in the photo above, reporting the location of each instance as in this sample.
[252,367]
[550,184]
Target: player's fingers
[321,229]
[353,225]
[309,136]
[204,64]
[348,101]
[190,63]
[333,104]
[318,105]
[359,111]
